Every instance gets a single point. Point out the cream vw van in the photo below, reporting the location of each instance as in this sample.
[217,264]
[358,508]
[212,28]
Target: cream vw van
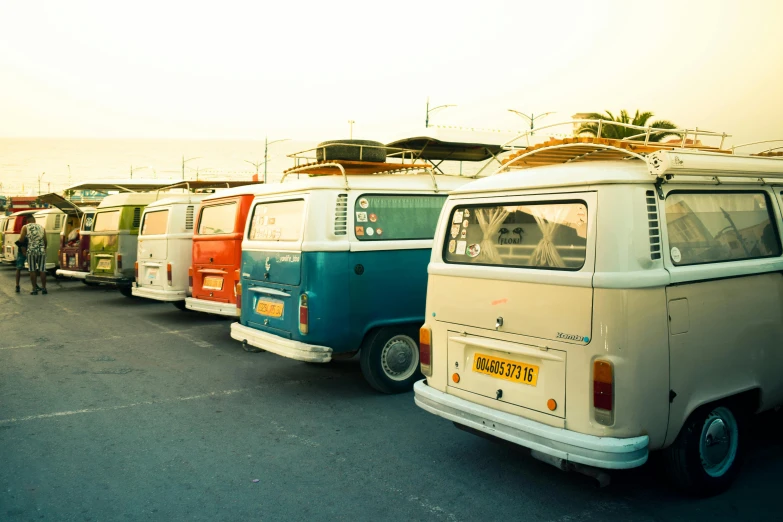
[595,311]
[53,221]
[164,249]
[114,239]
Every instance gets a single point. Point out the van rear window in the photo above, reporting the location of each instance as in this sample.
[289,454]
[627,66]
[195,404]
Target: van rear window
[277,221]
[155,223]
[527,235]
[109,220]
[396,217]
[711,227]
[217,219]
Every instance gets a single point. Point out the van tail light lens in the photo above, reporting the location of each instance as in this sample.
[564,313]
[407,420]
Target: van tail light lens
[238,289]
[190,281]
[304,314]
[86,254]
[603,391]
[425,350]
[119,263]
[168,272]
[65,260]
[136,270]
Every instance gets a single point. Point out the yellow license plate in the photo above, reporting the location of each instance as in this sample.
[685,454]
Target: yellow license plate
[269,308]
[104,264]
[505,369]
[213,283]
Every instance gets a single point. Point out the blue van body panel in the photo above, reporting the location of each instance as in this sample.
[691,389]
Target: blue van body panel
[345,301]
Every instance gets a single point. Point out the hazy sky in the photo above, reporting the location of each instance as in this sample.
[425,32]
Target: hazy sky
[301,69]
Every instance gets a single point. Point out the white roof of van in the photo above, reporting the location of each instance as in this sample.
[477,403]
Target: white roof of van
[243,190]
[406,182]
[562,175]
[129,198]
[24,212]
[182,199]
[50,211]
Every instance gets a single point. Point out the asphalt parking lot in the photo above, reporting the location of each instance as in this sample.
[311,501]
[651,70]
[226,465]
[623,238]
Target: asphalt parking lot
[124,409]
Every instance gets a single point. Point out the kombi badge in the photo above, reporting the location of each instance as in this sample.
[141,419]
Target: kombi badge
[364,203]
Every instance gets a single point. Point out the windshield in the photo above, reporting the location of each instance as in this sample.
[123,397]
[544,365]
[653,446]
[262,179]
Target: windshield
[217,219]
[155,223]
[525,235]
[278,221]
[109,220]
[395,216]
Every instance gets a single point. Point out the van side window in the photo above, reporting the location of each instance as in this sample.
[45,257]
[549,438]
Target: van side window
[712,227]
[526,235]
[155,223]
[389,217]
[277,221]
[217,219]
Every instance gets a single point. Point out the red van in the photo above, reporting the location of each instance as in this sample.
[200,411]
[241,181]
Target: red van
[217,250]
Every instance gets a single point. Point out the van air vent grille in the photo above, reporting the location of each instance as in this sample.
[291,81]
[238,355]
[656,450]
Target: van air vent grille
[654,226]
[136,217]
[189,218]
[57,221]
[341,215]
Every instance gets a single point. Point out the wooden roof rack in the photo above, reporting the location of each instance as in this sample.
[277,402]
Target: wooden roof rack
[355,168]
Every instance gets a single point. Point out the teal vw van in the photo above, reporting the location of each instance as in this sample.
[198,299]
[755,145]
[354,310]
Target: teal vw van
[335,263]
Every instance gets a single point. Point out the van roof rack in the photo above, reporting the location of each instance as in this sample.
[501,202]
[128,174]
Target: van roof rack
[602,146]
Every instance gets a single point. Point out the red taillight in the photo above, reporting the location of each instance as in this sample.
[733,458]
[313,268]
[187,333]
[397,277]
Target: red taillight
[304,315]
[119,263]
[136,270]
[238,289]
[168,272]
[603,391]
[190,281]
[86,253]
[65,260]
[425,350]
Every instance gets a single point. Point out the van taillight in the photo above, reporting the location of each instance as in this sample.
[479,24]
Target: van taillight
[119,262]
[86,254]
[238,289]
[425,350]
[136,270]
[65,260]
[190,280]
[603,391]
[168,272]
[304,315]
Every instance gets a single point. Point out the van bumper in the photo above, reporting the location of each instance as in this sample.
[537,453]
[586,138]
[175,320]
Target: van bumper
[169,296]
[109,280]
[600,452]
[285,347]
[75,274]
[212,307]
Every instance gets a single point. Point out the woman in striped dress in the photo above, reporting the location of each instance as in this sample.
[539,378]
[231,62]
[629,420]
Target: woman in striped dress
[36,253]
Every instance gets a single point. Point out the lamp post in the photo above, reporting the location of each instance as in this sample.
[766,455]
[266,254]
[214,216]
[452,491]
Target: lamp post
[350,132]
[267,143]
[185,161]
[427,118]
[39,182]
[531,118]
[256,165]
[132,169]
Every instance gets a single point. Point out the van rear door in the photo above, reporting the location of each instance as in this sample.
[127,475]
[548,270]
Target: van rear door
[216,250]
[152,248]
[513,282]
[272,265]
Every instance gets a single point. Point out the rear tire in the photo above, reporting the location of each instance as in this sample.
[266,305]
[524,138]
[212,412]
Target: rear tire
[389,358]
[374,151]
[180,305]
[707,455]
[127,291]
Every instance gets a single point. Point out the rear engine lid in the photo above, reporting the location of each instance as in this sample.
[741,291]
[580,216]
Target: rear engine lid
[266,266]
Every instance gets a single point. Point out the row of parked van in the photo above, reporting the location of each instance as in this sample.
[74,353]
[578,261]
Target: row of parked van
[593,301]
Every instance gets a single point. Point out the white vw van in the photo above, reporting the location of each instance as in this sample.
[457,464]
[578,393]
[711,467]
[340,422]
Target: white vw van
[53,221]
[594,311]
[165,249]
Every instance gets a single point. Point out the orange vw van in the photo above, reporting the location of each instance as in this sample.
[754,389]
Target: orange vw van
[217,250]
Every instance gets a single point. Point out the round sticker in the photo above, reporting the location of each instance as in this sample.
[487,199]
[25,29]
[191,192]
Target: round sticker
[364,203]
[379,231]
[474,250]
[373,218]
[370,231]
[676,255]
[452,246]
[465,223]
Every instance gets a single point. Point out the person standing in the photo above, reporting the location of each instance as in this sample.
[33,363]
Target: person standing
[21,257]
[36,253]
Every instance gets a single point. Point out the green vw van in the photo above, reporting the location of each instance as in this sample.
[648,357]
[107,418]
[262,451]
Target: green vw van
[114,239]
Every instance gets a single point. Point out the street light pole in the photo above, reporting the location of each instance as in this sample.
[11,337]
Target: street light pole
[350,133]
[185,161]
[532,118]
[427,117]
[39,182]
[267,143]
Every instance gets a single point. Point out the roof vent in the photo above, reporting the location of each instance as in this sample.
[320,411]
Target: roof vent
[189,218]
[341,215]
[136,217]
[654,226]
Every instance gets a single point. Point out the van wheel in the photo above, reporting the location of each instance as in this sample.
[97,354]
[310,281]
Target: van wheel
[390,359]
[180,305]
[706,456]
[127,291]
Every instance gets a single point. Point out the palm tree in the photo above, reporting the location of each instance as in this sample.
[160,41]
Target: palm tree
[639,119]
